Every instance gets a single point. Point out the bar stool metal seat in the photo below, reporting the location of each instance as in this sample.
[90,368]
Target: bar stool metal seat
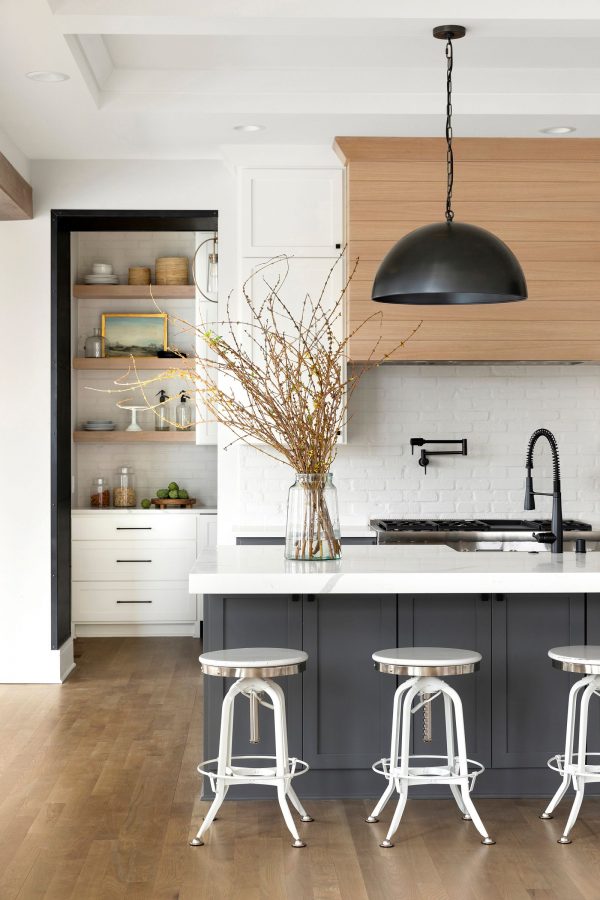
[582,767]
[424,665]
[254,667]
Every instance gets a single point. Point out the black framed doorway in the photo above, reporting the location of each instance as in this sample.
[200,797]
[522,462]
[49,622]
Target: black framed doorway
[63,223]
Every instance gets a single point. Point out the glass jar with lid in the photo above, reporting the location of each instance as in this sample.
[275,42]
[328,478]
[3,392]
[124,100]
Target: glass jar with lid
[124,489]
[99,493]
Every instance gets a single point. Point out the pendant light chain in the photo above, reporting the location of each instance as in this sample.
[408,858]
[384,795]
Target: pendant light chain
[449,152]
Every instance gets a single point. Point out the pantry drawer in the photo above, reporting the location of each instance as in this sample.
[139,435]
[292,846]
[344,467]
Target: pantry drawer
[130,602]
[155,525]
[132,560]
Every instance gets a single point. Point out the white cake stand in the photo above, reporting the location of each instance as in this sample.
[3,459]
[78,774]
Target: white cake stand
[134,411]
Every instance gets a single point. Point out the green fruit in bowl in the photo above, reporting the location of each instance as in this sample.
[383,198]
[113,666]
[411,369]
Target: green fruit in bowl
[162,494]
[173,495]
[145,504]
[182,495]
[173,486]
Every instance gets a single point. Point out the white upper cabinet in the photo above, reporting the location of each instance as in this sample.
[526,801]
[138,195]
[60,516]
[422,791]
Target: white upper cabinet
[295,211]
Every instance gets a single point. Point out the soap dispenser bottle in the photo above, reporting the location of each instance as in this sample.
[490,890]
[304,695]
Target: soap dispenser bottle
[183,413]
[162,420]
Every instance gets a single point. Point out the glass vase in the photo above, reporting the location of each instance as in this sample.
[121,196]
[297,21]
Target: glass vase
[313,523]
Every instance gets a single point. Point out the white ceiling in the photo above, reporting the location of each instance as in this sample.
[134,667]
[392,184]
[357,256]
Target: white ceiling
[171,78]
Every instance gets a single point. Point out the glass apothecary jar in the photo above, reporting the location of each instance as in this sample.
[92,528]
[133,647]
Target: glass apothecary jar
[313,523]
[124,489]
[100,493]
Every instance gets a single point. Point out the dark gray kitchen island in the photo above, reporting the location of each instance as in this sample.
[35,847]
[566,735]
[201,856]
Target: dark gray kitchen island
[511,607]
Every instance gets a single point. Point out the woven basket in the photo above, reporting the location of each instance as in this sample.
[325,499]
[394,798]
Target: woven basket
[139,275]
[172,270]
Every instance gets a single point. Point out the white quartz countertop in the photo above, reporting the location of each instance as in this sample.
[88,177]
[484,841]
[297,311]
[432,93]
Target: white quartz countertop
[393,570]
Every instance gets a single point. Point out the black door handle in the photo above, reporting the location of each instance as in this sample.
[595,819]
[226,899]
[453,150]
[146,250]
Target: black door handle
[134,601]
[134,560]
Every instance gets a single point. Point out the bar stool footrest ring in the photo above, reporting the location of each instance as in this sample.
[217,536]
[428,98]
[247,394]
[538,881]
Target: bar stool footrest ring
[591,771]
[251,774]
[430,774]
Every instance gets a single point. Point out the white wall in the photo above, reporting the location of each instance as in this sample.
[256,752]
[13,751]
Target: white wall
[25,653]
[495,407]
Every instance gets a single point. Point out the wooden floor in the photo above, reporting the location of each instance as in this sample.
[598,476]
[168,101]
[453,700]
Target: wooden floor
[99,796]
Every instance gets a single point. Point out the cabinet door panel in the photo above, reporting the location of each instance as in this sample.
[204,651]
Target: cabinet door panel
[530,696]
[347,704]
[462,622]
[292,211]
[253,621]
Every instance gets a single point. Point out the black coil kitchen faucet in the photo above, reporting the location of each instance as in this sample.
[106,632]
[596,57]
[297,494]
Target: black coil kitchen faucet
[530,494]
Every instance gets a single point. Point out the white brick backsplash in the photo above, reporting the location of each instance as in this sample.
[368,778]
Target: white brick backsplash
[495,407]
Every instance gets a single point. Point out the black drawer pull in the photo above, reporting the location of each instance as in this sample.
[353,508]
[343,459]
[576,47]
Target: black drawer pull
[134,601]
[134,560]
[134,527]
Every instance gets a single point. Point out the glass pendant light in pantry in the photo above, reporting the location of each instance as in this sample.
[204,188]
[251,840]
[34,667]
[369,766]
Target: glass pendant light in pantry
[449,262]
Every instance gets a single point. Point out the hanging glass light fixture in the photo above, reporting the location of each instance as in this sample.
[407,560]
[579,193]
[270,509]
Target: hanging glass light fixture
[449,262]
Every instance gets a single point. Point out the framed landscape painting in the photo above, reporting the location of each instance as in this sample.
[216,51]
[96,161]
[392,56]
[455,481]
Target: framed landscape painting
[134,334]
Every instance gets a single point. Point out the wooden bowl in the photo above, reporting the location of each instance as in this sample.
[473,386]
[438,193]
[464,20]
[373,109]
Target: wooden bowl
[173,504]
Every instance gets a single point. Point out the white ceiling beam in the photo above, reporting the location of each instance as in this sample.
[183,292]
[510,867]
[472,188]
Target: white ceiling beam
[248,106]
[540,10]
[353,82]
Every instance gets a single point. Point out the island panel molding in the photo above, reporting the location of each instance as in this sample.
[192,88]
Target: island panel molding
[540,196]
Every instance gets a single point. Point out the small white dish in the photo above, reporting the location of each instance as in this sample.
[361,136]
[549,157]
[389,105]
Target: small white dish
[100,268]
[101,279]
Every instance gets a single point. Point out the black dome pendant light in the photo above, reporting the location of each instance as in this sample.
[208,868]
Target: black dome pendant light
[449,262]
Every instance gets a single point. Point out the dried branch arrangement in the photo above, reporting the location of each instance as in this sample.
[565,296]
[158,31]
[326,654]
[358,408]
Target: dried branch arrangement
[278,380]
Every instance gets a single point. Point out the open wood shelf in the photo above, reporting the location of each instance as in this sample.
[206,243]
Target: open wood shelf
[123,362]
[134,291]
[134,437]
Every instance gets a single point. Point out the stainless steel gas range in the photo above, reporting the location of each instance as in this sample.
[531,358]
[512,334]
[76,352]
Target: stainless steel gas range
[531,535]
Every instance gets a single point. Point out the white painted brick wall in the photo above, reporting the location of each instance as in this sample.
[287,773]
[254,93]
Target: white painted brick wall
[495,407]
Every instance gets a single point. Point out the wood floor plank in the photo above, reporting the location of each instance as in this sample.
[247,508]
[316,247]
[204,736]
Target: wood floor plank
[99,796]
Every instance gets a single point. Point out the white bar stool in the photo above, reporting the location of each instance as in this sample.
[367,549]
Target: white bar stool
[254,667]
[575,766]
[424,664]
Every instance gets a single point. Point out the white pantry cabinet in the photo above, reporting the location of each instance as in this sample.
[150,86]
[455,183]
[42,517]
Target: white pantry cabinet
[130,571]
[298,213]
[295,211]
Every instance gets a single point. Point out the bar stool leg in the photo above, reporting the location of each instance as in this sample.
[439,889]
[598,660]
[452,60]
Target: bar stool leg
[451,756]
[291,793]
[297,803]
[579,783]
[282,760]
[400,780]
[570,738]
[463,766]
[224,762]
[396,718]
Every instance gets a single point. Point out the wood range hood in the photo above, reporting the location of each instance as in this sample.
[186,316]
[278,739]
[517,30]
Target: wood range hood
[541,196]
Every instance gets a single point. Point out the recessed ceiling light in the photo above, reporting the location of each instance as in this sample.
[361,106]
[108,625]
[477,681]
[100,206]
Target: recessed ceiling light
[249,127]
[558,129]
[48,77]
